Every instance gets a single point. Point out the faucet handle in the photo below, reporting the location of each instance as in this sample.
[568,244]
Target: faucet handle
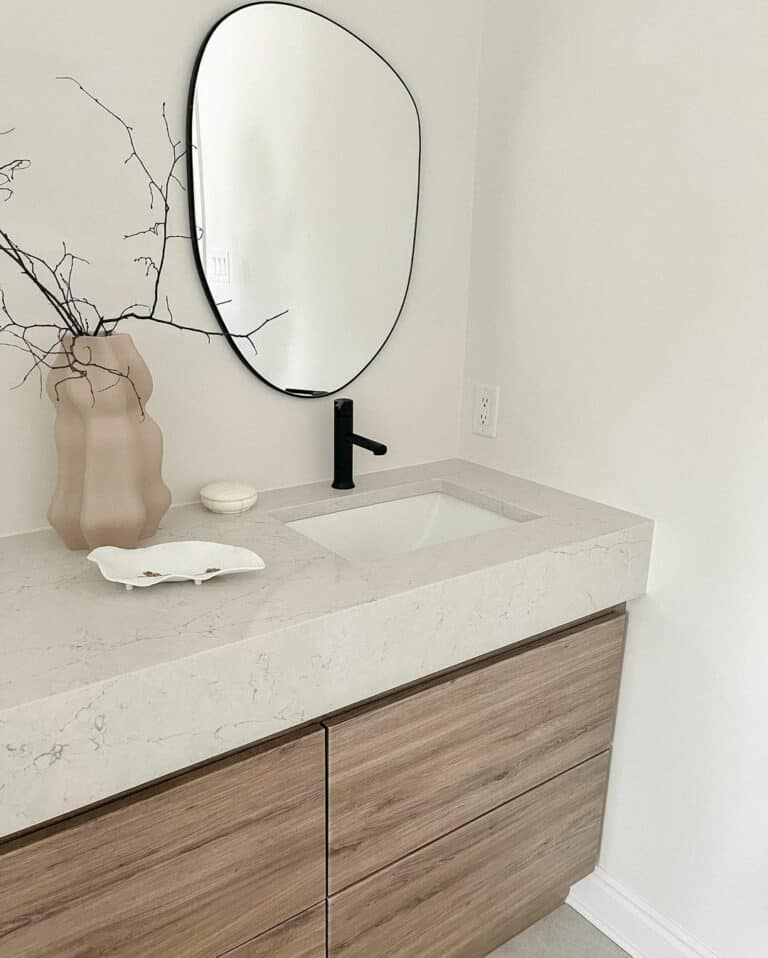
[343,416]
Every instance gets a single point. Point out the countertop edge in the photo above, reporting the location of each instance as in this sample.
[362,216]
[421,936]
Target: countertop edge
[77,747]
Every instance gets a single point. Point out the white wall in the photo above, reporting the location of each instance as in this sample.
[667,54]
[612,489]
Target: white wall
[620,297]
[217,419]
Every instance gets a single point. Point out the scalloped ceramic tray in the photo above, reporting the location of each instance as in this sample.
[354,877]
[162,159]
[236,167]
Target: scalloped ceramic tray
[173,562]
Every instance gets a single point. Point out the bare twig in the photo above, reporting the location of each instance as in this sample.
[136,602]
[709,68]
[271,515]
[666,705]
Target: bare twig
[9,170]
[208,333]
[28,263]
[7,173]
[74,315]
[134,154]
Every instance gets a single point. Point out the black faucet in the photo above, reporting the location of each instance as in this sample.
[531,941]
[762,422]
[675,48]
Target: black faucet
[344,441]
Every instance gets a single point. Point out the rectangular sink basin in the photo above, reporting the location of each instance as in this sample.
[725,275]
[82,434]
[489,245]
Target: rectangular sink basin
[400,525]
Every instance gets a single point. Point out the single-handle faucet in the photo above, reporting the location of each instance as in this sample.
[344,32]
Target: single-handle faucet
[344,441]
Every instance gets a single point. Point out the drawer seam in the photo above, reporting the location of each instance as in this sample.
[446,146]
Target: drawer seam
[458,828]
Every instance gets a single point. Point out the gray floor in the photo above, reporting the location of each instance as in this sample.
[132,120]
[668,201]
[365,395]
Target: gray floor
[563,934]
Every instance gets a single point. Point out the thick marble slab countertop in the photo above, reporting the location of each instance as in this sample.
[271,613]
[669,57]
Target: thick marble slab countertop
[102,690]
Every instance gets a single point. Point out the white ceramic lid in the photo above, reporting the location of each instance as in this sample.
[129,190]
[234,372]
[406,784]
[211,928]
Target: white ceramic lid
[228,491]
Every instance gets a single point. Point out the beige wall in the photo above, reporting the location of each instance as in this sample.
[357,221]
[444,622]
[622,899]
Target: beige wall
[620,297]
[217,419]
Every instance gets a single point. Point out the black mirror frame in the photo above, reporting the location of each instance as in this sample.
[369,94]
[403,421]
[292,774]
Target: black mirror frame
[301,394]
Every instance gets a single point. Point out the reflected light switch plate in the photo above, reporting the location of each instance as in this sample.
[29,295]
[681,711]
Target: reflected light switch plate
[219,268]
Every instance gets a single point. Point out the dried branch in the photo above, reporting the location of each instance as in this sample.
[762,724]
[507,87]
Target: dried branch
[154,229]
[83,366]
[9,170]
[7,173]
[74,314]
[208,333]
[28,264]
[134,154]
[21,336]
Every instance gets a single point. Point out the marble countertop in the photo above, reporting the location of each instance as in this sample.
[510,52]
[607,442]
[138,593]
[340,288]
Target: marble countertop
[102,689]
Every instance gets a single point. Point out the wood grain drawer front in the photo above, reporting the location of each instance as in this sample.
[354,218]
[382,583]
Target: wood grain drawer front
[469,892]
[192,868]
[301,937]
[405,772]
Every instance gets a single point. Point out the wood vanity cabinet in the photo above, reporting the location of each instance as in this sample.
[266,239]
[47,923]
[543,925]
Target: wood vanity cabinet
[436,822]
[470,891]
[461,812]
[188,869]
[407,770]
[299,937]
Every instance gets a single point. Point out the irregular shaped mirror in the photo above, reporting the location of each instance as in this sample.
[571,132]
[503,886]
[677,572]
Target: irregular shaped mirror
[304,164]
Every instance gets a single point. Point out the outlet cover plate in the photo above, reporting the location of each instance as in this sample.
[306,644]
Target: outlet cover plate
[485,411]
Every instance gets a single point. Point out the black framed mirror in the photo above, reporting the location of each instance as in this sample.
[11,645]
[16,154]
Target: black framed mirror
[304,170]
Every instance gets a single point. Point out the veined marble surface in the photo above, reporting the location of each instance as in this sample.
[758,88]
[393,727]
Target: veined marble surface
[102,690]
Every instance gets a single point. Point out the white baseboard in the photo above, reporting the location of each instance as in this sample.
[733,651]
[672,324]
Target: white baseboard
[631,923]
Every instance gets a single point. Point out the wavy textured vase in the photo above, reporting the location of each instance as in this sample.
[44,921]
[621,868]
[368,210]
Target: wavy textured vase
[110,489]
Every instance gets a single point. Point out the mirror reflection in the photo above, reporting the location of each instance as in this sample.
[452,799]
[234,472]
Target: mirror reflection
[305,182]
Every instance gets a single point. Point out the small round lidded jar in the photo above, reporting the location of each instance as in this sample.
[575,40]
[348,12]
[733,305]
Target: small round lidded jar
[230,497]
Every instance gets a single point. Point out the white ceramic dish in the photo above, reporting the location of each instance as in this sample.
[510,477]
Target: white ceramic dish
[173,562]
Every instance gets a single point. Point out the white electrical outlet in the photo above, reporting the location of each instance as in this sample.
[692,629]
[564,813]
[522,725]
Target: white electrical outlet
[485,411]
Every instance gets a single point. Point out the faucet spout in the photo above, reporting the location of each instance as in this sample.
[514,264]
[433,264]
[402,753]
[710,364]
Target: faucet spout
[377,448]
[344,441]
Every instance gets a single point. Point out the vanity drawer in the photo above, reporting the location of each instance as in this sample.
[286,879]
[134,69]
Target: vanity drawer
[467,893]
[301,937]
[194,867]
[404,772]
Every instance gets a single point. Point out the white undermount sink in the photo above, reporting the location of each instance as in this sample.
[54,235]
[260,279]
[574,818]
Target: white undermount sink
[400,525]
